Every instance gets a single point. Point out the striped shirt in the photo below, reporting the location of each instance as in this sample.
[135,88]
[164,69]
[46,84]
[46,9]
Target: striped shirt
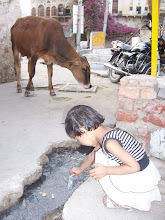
[131,145]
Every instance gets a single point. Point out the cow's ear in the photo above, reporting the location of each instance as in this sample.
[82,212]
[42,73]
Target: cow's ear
[67,64]
[82,58]
[78,61]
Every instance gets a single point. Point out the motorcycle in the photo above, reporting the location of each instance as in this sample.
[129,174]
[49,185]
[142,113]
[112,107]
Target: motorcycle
[128,60]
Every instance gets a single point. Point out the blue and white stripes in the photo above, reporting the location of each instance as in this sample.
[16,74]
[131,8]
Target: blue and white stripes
[131,145]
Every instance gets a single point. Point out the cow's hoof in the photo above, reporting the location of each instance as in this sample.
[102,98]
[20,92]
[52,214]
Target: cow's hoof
[19,90]
[31,88]
[27,93]
[52,93]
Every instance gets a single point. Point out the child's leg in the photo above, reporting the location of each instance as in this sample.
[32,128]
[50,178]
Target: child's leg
[123,189]
[103,159]
[109,203]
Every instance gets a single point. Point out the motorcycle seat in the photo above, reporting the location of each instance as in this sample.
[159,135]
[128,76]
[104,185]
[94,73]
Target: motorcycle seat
[127,47]
[122,45]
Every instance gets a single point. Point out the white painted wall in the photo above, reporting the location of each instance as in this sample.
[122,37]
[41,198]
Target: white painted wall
[9,11]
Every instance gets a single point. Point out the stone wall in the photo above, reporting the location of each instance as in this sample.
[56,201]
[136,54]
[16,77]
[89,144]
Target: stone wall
[141,110]
[9,11]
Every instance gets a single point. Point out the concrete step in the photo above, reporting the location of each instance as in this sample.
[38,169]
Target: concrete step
[102,73]
[84,52]
[98,57]
[106,51]
[97,65]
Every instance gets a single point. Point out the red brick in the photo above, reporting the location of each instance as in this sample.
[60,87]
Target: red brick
[126,104]
[155,119]
[123,81]
[148,93]
[147,83]
[133,82]
[126,116]
[144,138]
[153,107]
[131,93]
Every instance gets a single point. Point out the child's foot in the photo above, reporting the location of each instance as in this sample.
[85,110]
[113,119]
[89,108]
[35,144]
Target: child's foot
[110,203]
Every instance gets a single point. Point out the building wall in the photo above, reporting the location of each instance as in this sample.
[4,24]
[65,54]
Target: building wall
[128,13]
[129,7]
[9,11]
[51,8]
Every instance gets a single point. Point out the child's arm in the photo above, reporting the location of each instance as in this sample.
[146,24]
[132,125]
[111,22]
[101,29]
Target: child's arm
[130,165]
[87,163]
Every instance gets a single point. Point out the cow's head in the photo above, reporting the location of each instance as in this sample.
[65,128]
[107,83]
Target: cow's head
[81,70]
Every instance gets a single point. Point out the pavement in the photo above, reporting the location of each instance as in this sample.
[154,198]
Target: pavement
[31,127]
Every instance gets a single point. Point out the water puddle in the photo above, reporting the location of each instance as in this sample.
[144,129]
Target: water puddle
[50,192]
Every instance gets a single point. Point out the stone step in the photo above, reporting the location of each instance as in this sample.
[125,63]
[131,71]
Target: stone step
[97,65]
[98,57]
[102,73]
[106,51]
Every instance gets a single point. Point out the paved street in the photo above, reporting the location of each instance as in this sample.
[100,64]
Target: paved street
[31,127]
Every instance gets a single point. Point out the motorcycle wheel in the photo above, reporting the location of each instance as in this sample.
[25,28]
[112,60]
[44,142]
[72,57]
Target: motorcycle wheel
[113,76]
[147,69]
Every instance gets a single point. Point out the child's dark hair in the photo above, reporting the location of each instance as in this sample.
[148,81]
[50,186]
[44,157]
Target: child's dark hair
[82,116]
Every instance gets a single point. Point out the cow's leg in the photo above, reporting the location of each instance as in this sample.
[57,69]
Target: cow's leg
[17,68]
[31,69]
[50,74]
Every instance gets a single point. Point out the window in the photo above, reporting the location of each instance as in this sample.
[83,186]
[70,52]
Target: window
[138,10]
[146,8]
[48,12]
[67,10]
[33,12]
[115,6]
[60,9]
[131,8]
[40,10]
[53,11]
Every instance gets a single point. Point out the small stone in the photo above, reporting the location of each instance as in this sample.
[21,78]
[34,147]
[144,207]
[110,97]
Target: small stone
[43,194]
[24,203]
[53,196]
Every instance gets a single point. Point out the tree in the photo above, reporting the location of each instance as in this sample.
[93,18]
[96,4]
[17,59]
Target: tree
[94,19]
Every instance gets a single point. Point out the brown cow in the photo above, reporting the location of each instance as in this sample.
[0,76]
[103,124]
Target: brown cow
[37,37]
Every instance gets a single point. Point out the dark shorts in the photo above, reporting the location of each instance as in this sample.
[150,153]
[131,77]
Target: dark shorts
[144,162]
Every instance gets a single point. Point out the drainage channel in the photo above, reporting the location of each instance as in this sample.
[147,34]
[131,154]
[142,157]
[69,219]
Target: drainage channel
[45,198]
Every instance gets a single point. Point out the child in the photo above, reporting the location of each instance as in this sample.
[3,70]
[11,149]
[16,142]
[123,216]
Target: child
[122,167]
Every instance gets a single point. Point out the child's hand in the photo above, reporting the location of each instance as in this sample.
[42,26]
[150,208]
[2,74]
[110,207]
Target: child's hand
[98,172]
[75,170]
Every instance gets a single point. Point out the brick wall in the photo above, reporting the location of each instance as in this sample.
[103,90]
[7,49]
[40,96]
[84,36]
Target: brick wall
[141,109]
[9,12]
